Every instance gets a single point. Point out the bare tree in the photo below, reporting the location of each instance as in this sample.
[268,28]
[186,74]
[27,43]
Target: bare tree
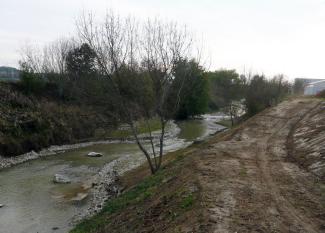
[163,46]
[50,59]
[55,55]
[234,109]
[119,44]
[32,58]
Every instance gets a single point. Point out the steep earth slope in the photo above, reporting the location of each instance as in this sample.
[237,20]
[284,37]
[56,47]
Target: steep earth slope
[31,122]
[252,181]
[267,175]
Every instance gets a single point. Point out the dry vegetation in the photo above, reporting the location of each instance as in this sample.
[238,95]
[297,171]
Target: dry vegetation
[31,122]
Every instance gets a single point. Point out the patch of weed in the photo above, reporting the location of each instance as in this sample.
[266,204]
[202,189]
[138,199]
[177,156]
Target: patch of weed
[135,195]
[187,202]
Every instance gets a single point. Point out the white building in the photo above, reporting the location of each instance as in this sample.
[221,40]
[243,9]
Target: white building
[314,87]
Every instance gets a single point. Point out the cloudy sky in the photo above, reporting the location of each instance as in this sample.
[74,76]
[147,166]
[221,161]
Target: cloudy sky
[265,36]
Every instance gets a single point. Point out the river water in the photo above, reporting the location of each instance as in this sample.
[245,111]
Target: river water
[33,203]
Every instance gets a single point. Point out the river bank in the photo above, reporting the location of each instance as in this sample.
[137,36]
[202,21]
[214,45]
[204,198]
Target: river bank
[243,180]
[107,183]
[33,122]
[93,180]
[6,162]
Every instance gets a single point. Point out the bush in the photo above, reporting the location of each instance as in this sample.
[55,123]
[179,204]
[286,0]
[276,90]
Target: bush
[10,147]
[32,83]
[262,93]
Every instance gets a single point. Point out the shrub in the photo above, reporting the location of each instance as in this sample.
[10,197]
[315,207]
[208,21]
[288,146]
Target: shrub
[32,83]
[10,147]
[262,93]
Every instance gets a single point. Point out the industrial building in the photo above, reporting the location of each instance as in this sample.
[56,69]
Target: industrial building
[314,88]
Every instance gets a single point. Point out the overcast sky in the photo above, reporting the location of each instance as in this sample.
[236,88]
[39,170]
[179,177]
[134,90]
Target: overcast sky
[265,36]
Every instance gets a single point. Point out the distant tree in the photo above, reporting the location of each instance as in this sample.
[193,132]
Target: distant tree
[50,59]
[262,93]
[226,90]
[194,95]
[31,82]
[48,63]
[80,61]
[225,86]
[280,88]
[298,87]
[55,56]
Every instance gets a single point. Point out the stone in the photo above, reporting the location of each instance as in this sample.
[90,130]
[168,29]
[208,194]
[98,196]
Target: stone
[80,197]
[2,205]
[94,154]
[198,141]
[168,179]
[61,179]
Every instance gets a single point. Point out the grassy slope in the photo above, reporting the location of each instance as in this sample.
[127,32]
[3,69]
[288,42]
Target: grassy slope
[159,203]
[165,202]
[226,123]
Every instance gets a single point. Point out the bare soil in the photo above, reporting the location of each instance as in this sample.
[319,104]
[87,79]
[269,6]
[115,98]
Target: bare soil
[250,181]
[255,178]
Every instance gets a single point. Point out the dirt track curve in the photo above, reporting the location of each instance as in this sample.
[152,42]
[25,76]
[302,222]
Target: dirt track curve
[249,183]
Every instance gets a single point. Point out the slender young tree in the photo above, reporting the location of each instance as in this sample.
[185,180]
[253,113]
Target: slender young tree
[154,48]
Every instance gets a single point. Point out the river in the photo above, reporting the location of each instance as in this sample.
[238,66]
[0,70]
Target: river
[33,203]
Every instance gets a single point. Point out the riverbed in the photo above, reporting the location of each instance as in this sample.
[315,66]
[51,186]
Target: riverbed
[33,203]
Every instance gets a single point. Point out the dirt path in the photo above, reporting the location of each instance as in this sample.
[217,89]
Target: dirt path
[249,185]
[268,175]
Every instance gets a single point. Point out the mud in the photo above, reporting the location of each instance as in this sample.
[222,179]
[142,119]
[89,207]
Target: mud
[253,181]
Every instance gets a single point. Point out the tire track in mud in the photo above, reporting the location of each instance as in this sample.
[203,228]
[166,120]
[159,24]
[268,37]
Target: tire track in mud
[284,206]
[263,199]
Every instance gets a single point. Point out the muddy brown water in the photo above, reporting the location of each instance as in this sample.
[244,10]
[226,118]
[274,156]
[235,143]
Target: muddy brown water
[33,203]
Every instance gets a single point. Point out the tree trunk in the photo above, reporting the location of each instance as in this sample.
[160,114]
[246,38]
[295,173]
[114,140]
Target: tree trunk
[144,151]
[161,144]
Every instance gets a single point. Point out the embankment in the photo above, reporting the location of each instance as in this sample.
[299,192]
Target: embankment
[254,178]
[31,122]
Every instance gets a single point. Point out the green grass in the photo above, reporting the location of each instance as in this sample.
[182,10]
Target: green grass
[187,202]
[140,193]
[225,123]
[137,194]
[141,127]
[149,187]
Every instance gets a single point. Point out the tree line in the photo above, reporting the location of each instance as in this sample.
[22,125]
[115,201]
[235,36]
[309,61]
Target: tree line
[142,70]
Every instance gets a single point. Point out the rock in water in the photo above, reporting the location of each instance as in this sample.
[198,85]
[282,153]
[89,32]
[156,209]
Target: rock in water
[94,154]
[61,179]
[2,205]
